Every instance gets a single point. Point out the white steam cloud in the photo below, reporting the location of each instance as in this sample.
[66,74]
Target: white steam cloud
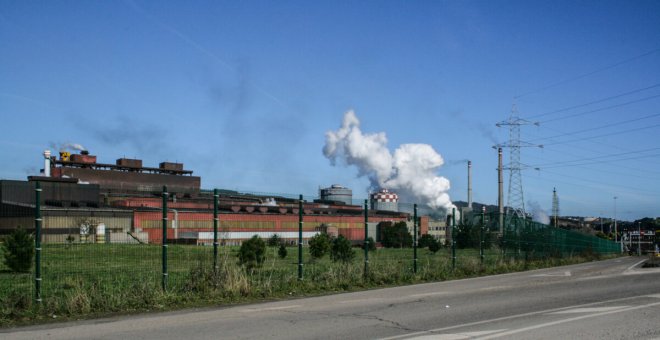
[67,146]
[410,171]
[538,214]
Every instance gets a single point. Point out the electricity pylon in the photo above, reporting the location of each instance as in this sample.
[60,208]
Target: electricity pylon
[516,199]
[555,207]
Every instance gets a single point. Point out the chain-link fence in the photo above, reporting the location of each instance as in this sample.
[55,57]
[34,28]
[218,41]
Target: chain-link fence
[125,253]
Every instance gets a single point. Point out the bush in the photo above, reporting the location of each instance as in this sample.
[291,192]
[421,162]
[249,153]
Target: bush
[468,235]
[282,251]
[371,244]
[434,246]
[274,240]
[425,241]
[18,250]
[319,245]
[252,253]
[396,236]
[342,250]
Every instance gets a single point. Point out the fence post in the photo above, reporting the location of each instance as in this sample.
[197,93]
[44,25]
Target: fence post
[481,234]
[366,240]
[453,238]
[215,230]
[37,244]
[415,238]
[164,279]
[503,240]
[300,238]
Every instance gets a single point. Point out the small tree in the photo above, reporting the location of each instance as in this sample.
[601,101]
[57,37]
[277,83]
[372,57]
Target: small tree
[252,253]
[396,236]
[18,250]
[282,251]
[425,241]
[274,240]
[371,244]
[434,245]
[342,250]
[319,245]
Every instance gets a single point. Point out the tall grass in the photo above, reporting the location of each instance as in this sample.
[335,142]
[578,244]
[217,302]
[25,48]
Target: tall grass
[90,280]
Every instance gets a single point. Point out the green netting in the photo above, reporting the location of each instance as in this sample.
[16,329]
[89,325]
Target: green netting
[523,237]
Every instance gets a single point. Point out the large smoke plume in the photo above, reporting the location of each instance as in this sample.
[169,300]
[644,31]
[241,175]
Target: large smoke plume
[411,171]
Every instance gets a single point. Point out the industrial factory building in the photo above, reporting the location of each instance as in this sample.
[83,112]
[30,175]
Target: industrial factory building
[86,201]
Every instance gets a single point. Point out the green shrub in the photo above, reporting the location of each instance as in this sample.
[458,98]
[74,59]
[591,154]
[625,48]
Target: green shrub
[252,252]
[18,250]
[282,251]
[371,244]
[425,241]
[396,236]
[434,246]
[342,250]
[319,245]
[274,240]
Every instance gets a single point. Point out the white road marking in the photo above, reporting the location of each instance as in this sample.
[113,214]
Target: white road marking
[566,273]
[456,336]
[488,289]
[476,323]
[268,309]
[633,266]
[558,322]
[360,300]
[589,310]
[429,294]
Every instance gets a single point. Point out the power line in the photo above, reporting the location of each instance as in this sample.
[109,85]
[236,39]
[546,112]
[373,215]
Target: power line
[602,109]
[621,166]
[605,135]
[584,75]
[595,161]
[609,184]
[627,121]
[594,102]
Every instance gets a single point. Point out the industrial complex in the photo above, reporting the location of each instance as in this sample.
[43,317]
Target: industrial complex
[83,200]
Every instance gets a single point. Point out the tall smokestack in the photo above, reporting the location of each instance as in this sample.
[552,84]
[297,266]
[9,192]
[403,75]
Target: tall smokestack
[469,184]
[47,163]
[500,190]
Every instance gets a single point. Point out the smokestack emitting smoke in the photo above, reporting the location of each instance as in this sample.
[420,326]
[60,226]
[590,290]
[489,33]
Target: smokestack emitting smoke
[73,146]
[410,171]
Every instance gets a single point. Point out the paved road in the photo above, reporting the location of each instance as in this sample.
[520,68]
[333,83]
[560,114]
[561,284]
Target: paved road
[614,299]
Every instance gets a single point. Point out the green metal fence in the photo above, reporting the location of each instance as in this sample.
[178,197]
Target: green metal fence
[117,259]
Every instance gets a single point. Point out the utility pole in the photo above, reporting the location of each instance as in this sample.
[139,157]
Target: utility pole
[639,238]
[500,191]
[615,228]
[555,207]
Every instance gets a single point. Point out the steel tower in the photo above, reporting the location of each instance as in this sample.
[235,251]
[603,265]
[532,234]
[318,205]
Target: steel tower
[555,207]
[516,199]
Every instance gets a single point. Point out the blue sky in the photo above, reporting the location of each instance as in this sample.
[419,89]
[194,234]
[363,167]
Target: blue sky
[243,92]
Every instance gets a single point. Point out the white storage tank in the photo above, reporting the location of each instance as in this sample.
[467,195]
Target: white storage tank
[337,193]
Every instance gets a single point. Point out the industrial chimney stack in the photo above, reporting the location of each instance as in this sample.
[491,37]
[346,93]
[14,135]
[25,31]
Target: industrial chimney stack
[469,185]
[46,163]
[500,190]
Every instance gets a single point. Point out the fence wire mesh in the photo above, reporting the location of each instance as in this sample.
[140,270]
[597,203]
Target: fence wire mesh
[124,252]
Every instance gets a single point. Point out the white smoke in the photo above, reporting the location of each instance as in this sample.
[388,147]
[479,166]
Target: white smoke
[538,214]
[411,171]
[67,146]
[73,146]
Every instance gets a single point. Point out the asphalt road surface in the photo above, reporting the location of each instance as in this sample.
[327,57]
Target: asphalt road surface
[614,299]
